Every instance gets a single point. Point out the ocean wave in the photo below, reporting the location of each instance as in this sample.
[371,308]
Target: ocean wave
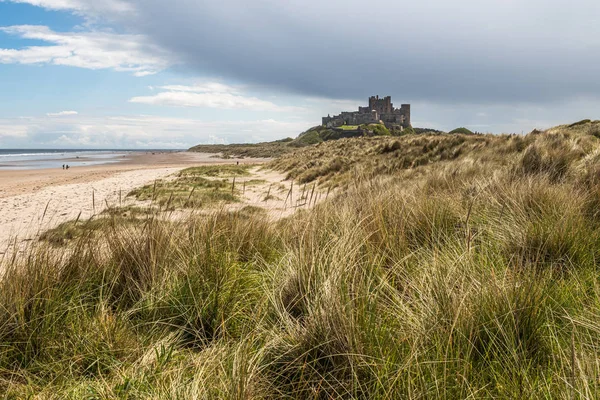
[52,153]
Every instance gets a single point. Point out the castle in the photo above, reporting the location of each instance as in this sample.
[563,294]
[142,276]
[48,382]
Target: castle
[379,110]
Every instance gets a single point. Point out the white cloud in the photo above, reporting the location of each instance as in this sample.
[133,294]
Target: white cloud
[62,114]
[83,7]
[13,130]
[210,95]
[138,131]
[92,50]
[488,65]
[204,87]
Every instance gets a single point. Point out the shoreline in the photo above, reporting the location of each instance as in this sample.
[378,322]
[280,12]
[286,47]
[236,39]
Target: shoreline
[33,201]
[22,181]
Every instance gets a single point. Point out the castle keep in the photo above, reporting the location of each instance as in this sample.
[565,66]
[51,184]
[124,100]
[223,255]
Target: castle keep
[378,110]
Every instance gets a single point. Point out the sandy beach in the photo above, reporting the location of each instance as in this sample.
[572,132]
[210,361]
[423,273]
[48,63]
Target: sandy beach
[32,201]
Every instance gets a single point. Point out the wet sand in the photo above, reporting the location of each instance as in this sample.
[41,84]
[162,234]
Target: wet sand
[14,182]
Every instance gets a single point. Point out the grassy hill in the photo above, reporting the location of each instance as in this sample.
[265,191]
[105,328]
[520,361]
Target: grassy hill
[463,131]
[441,266]
[312,136]
[342,161]
[251,150]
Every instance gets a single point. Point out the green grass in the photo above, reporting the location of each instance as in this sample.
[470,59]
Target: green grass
[582,122]
[462,131]
[187,192]
[254,182]
[195,187]
[114,217]
[377,129]
[340,162]
[225,171]
[311,137]
[247,150]
[467,276]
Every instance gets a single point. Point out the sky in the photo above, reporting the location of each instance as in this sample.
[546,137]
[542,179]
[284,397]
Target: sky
[157,74]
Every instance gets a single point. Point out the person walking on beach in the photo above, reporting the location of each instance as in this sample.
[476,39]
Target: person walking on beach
[67,166]
[63,166]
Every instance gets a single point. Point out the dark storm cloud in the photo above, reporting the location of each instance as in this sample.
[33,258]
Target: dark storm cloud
[492,65]
[438,51]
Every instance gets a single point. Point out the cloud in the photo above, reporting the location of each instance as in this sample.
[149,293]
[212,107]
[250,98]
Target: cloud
[460,51]
[451,60]
[88,9]
[210,95]
[464,51]
[139,131]
[62,114]
[205,87]
[92,50]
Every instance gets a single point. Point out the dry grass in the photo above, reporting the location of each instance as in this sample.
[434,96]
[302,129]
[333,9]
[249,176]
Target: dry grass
[339,162]
[470,275]
[195,187]
[247,150]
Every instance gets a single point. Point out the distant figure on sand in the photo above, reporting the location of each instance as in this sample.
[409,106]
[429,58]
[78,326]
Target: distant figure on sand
[67,166]
[63,166]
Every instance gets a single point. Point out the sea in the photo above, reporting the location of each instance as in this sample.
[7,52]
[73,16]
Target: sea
[23,159]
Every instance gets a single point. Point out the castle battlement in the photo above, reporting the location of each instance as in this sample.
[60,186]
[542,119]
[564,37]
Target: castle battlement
[378,110]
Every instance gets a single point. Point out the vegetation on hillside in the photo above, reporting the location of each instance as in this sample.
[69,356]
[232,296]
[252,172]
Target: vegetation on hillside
[315,135]
[462,131]
[429,131]
[247,150]
[341,162]
[471,273]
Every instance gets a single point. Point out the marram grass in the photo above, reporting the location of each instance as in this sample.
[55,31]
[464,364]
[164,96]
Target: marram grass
[466,277]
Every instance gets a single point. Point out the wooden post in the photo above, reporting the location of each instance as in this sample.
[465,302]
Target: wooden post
[233,186]
[190,196]
[120,199]
[169,201]
[312,193]
[289,196]
[328,190]
[244,190]
[154,192]
[45,210]
[268,192]
[94,201]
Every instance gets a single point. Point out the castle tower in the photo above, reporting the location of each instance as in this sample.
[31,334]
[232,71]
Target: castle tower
[373,102]
[405,112]
[382,106]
